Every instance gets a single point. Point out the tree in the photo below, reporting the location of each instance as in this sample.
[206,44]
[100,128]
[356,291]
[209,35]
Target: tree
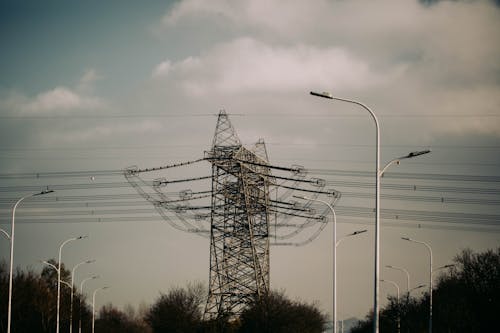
[276,313]
[468,298]
[112,320]
[465,299]
[178,311]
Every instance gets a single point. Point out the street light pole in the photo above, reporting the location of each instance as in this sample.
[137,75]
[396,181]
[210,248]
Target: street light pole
[377,202]
[72,281]
[93,305]
[334,216]
[407,276]
[378,174]
[397,289]
[11,238]
[430,276]
[81,294]
[59,277]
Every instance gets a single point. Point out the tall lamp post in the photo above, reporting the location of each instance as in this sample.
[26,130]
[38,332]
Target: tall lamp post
[11,239]
[378,174]
[334,216]
[72,281]
[81,294]
[397,289]
[93,305]
[430,276]
[59,277]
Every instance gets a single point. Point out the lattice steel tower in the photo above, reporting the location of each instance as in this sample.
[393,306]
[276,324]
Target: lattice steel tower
[237,207]
[239,230]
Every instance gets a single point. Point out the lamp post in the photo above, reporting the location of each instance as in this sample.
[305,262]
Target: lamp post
[59,277]
[72,281]
[407,276]
[81,294]
[397,289]
[334,216]
[430,276]
[378,174]
[93,305]
[11,239]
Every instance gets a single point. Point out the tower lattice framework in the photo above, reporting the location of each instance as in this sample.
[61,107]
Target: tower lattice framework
[239,224]
[241,207]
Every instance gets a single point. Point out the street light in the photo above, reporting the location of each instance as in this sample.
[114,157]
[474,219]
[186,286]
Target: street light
[59,276]
[11,239]
[407,276]
[397,289]
[93,305]
[81,294]
[430,276]
[417,287]
[355,233]
[336,197]
[72,280]
[442,267]
[377,197]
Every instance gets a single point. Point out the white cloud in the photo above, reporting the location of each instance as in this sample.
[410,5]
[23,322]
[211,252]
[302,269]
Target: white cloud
[248,65]
[87,81]
[58,100]
[162,69]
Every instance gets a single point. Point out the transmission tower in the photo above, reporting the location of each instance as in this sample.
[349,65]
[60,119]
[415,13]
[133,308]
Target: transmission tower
[239,233]
[249,208]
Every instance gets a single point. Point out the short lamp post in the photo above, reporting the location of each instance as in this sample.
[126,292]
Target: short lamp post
[397,299]
[407,276]
[59,277]
[11,238]
[81,294]
[93,305]
[72,283]
[334,217]
[430,276]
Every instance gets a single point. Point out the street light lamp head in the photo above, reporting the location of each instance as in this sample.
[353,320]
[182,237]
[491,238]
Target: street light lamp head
[47,191]
[418,153]
[359,232]
[82,237]
[323,94]
[90,261]
[406,238]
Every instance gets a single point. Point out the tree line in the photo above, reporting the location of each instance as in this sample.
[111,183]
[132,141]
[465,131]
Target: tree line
[466,298]
[180,310]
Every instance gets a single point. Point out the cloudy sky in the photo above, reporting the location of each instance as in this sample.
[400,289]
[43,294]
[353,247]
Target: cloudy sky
[103,85]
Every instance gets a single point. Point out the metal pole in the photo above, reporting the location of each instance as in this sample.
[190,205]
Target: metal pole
[407,276]
[11,265]
[334,255]
[59,278]
[71,302]
[397,289]
[93,306]
[81,294]
[430,277]
[377,204]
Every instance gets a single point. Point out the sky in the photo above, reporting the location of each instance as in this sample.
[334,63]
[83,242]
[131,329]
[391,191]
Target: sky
[104,85]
